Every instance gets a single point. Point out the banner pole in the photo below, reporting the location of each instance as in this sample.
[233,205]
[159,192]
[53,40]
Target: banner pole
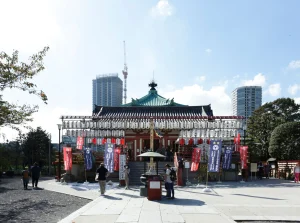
[207,175]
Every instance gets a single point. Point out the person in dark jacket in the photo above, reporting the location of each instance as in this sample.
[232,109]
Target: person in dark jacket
[35,174]
[102,174]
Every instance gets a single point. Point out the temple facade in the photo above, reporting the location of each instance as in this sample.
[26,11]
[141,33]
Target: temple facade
[177,127]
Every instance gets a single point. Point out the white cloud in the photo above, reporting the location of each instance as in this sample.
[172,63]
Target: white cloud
[208,50]
[259,80]
[274,90]
[200,78]
[297,100]
[163,8]
[293,89]
[197,95]
[27,25]
[295,64]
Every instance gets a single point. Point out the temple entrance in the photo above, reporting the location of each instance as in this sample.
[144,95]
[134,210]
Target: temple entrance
[146,143]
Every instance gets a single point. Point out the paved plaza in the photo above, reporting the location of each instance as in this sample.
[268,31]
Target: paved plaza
[257,200]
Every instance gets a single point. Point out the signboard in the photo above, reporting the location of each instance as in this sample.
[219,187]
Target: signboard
[214,155]
[187,165]
[122,163]
[253,167]
[154,184]
[68,139]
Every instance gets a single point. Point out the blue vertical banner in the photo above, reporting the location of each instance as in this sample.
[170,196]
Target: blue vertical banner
[214,155]
[88,160]
[227,158]
[109,157]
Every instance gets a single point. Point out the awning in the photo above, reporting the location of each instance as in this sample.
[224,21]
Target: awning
[151,154]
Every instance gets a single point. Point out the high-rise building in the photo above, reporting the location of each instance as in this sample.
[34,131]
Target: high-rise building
[245,100]
[107,90]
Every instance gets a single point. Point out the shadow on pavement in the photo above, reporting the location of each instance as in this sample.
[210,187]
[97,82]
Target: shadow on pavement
[189,191]
[111,197]
[181,202]
[269,198]
[4,189]
[129,195]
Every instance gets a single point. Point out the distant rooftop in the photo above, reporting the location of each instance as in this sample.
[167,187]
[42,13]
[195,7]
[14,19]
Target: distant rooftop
[107,75]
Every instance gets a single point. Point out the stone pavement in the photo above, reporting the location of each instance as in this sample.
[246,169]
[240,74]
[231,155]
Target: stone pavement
[257,200]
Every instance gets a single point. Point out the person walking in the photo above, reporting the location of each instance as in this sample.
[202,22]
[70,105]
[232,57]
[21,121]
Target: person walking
[126,172]
[102,175]
[35,175]
[25,177]
[169,182]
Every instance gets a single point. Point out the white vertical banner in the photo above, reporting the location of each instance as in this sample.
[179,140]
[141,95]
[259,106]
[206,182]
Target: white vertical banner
[122,163]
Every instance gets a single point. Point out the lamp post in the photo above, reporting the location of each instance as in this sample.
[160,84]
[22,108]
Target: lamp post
[59,128]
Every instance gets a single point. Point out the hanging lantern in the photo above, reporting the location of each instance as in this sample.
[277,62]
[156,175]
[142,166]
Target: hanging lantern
[113,140]
[191,141]
[207,141]
[181,141]
[103,140]
[94,141]
[122,141]
[200,141]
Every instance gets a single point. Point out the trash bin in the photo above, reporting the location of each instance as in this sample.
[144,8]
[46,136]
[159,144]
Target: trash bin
[154,189]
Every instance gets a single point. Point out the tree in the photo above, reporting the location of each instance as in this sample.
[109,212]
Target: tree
[36,146]
[18,75]
[285,141]
[266,118]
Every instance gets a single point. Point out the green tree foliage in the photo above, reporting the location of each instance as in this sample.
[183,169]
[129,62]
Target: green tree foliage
[265,119]
[36,146]
[18,75]
[10,155]
[285,141]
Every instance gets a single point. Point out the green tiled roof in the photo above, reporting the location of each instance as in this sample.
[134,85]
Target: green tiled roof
[152,99]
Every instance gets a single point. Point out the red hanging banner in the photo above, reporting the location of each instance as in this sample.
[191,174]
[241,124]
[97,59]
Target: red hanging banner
[117,152]
[195,159]
[79,142]
[243,154]
[67,158]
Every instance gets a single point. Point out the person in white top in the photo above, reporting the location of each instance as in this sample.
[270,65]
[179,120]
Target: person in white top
[169,183]
[297,173]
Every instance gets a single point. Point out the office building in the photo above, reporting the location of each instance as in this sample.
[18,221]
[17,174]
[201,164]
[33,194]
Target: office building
[245,100]
[107,90]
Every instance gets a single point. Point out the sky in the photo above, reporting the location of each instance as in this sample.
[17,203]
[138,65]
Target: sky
[199,51]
